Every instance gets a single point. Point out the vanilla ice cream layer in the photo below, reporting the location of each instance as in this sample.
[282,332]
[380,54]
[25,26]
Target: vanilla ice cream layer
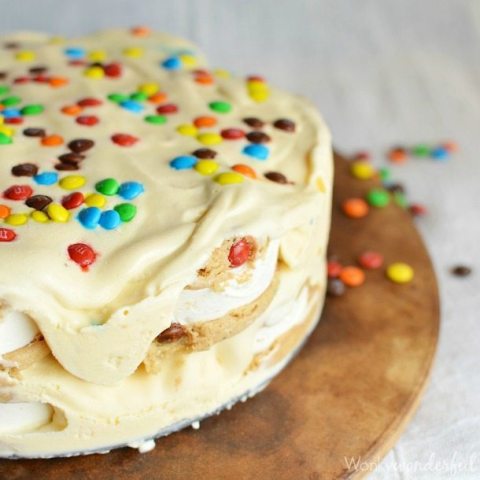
[195,305]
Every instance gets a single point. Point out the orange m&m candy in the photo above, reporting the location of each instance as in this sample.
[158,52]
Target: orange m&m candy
[355,207]
[244,170]
[352,276]
[52,141]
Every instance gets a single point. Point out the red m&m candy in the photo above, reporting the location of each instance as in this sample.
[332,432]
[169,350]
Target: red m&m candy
[240,252]
[89,102]
[113,70]
[18,192]
[74,200]
[82,255]
[370,260]
[232,133]
[333,269]
[124,139]
[7,235]
[87,120]
[167,109]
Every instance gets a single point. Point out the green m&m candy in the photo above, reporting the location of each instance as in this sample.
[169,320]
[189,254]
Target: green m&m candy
[108,186]
[32,110]
[127,211]
[220,106]
[378,197]
[156,119]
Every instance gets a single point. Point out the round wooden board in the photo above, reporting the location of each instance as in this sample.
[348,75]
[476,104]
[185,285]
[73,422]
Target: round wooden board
[348,394]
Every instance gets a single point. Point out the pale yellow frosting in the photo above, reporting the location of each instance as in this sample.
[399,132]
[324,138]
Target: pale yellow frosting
[100,323]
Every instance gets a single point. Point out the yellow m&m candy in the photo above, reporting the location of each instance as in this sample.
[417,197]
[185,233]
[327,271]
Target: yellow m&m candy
[25,56]
[206,167]
[400,272]
[94,72]
[209,138]
[362,170]
[95,200]
[40,217]
[187,129]
[229,178]
[17,219]
[72,182]
[58,213]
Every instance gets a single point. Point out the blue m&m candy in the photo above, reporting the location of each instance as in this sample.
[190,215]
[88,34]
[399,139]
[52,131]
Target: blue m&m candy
[110,219]
[260,152]
[11,113]
[46,178]
[132,106]
[183,162]
[172,63]
[439,153]
[75,53]
[89,217]
[130,190]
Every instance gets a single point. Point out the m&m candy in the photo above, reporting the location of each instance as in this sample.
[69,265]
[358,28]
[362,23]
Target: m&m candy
[7,235]
[183,162]
[109,219]
[257,151]
[239,252]
[400,272]
[130,190]
[82,254]
[90,217]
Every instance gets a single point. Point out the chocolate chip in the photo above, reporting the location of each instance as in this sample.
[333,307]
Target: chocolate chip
[461,271]
[3,75]
[68,167]
[11,45]
[204,153]
[254,122]
[38,202]
[81,145]
[24,170]
[34,132]
[37,70]
[71,158]
[258,137]
[276,177]
[172,333]
[284,124]
[335,287]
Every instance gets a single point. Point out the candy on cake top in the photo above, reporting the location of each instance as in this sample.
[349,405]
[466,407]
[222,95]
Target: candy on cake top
[125,162]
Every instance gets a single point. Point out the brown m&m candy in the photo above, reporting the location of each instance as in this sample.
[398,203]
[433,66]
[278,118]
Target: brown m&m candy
[284,124]
[34,132]
[81,145]
[24,170]
[276,177]
[254,122]
[204,153]
[258,137]
[38,202]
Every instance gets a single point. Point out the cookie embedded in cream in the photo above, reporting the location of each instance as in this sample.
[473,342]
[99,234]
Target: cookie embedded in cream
[163,239]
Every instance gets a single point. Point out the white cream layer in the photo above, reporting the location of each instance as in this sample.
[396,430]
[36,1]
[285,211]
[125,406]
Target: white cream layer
[16,331]
[278,319]
[23,417]
[205,304]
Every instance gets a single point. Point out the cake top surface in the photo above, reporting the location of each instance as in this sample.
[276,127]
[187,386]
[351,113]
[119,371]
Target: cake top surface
[125,162]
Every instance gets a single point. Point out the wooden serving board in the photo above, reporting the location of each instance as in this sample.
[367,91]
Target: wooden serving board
[348,394]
